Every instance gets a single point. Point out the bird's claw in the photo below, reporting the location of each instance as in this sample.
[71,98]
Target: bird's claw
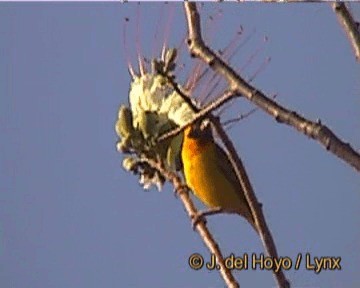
[196,219]
[200,216]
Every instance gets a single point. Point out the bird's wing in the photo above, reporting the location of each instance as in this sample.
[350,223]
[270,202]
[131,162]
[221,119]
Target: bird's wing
[227,169]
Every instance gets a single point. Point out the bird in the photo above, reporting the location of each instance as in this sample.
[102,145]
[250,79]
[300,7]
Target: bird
[210,175]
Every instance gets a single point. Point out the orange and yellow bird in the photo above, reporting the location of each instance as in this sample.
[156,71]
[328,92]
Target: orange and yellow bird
[209,174]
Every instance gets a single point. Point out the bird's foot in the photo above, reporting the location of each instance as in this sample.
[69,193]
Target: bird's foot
[196,219]
[201,216]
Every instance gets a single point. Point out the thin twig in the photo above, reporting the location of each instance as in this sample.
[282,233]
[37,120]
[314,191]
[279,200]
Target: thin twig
[209,241]
[196,45]
[350,26]
[242,116]
[314,130]
[200,113]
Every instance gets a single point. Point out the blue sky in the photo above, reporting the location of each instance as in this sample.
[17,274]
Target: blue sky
[70,216]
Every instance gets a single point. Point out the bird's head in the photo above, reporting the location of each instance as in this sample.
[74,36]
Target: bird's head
[199,131]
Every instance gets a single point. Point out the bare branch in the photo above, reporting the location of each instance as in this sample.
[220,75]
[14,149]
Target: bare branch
[255,206]
[195,39]
[314,130]
[201,228]
[350,26]
[227,96]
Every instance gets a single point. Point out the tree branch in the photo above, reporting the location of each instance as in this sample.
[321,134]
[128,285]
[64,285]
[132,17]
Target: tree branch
[264,232]
[314,130]
[209,241]
[350,26]
[201,113]
[255,206]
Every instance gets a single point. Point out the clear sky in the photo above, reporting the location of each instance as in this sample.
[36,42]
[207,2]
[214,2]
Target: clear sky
[70,216]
